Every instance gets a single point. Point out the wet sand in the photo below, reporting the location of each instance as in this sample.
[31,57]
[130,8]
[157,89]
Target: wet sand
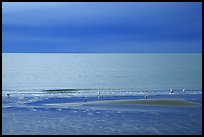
[149,102]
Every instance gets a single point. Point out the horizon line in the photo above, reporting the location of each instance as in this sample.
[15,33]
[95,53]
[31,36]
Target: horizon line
[105,52]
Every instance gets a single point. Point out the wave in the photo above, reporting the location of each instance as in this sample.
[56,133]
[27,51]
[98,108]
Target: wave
[66,92]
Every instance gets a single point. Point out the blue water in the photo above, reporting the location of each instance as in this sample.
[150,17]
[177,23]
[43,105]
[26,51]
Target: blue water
[116,76]
[112,71]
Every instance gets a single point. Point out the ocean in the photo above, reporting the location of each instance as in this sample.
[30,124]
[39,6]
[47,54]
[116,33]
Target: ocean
[101,71]
[39,83]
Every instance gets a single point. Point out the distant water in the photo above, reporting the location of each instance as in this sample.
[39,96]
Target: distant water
[31,71]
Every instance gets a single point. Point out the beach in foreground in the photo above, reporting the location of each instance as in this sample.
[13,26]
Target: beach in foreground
[177,114]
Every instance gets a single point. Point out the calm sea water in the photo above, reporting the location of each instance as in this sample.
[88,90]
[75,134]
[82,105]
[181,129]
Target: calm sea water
[102,71]
[30,110]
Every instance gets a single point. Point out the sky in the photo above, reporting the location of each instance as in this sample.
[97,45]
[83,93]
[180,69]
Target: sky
[102,27]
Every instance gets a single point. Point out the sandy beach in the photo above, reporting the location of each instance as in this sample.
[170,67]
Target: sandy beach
[147,102]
